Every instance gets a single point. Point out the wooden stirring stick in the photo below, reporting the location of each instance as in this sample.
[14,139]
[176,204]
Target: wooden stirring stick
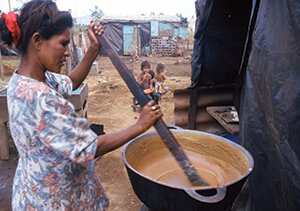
[160,126]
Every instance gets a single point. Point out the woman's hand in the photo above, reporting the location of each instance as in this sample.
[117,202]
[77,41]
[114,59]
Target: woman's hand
[98,30]
[108,142]
[82,69]
[150,113]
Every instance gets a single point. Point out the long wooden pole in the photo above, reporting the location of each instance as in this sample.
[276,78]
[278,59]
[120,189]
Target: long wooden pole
[160,126]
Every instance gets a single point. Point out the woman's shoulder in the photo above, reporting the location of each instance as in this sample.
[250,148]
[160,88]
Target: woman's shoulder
[21,85]
[26,97]
[61,83]
[28,92]
[59,78]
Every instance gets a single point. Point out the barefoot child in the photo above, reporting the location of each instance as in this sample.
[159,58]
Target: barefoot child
[146,81]
[160,79]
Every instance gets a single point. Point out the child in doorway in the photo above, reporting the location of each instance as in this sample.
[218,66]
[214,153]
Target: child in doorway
[146,79]
[160,79]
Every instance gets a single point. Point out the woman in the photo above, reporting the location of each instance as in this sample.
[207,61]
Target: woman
[56,148]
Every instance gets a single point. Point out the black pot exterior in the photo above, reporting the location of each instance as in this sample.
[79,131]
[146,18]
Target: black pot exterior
[160,197]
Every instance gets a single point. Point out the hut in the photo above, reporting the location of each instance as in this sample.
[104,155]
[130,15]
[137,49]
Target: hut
[142,35]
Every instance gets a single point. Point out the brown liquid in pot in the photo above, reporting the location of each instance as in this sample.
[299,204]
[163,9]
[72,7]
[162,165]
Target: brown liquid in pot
[217,163]
[165,169]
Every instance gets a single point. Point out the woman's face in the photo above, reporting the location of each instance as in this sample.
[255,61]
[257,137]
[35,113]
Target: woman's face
[54,52]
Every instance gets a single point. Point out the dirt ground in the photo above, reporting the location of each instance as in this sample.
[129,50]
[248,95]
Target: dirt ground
[109,103]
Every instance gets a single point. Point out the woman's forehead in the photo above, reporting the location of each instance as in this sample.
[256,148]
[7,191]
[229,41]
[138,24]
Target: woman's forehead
[66,35]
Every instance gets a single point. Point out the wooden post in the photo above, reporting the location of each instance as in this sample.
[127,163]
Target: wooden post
[74,53]
[1,67]
[139,41]
[69,68]
[193,108]
[4,148]
[84,46]
[4,143]
[134,41]
[9,6]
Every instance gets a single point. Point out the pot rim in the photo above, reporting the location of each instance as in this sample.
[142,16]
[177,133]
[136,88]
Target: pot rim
[219,138]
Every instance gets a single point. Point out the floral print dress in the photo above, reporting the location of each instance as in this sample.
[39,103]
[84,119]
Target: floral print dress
[56,148]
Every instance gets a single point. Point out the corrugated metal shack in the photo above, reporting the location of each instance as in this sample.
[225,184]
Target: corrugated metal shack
[142,35]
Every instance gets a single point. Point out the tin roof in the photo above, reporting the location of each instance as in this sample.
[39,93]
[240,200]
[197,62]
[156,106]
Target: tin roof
[140,18]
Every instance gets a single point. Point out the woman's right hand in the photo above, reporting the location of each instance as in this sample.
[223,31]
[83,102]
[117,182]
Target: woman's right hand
[150,113]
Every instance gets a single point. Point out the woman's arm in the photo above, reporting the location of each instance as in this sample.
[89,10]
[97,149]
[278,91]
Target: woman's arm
[148,117]
[82,69]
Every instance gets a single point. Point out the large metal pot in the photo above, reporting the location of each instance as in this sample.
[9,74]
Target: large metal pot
[159,195]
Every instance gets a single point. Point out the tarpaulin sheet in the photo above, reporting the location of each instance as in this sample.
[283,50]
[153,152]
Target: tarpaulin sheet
[114,33]
[270,107]
[145,34]
[221,29]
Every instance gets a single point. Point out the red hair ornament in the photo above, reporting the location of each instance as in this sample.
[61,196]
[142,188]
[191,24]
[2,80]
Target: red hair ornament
[12,25]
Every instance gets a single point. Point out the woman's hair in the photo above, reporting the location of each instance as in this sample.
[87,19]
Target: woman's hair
[145,64]
[159,67]
[40,16]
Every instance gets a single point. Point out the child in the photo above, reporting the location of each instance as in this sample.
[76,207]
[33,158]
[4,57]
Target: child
[160,79]
[160,76]
[146,80]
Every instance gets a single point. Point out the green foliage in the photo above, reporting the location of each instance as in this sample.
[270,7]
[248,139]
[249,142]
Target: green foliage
[179,15]
[97,13]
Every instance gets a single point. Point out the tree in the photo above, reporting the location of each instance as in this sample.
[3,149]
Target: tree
[97,13]
[179,15]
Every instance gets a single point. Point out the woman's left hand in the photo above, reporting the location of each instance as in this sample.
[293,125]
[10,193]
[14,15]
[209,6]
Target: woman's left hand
[98,30]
